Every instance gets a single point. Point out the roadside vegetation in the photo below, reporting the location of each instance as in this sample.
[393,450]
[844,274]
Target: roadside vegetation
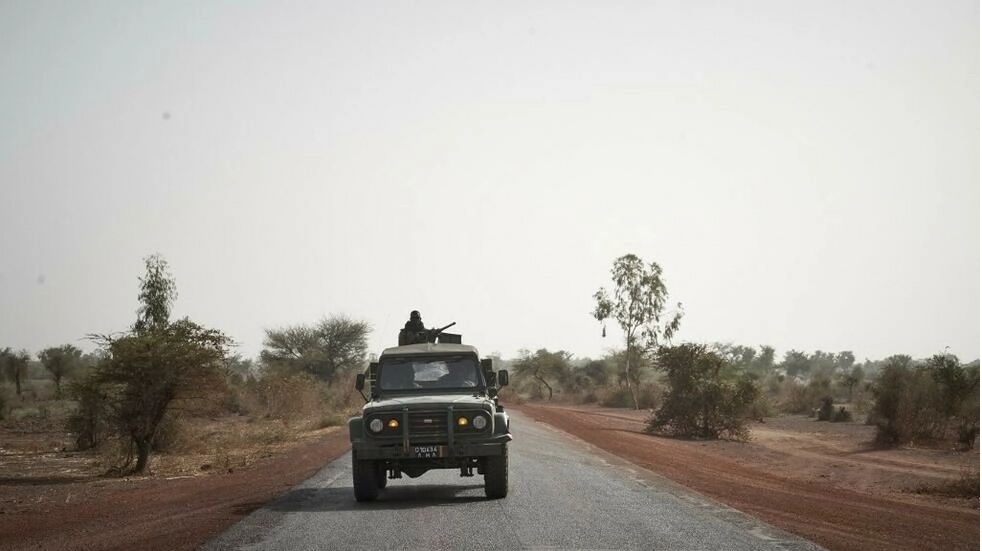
[171,388]
[164,388]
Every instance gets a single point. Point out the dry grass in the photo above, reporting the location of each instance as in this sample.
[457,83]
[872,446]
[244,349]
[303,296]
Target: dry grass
[966,487]
[249,422]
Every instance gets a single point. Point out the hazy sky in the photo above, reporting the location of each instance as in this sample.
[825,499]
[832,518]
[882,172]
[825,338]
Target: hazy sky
[806,173]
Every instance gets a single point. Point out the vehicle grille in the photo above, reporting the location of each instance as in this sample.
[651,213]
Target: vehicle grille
[427,423]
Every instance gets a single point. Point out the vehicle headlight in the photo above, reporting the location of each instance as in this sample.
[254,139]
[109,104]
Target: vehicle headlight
[375,425]
[462,422]
[480,422]
[393,423]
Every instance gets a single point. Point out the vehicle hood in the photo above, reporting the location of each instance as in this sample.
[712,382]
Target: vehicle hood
[428,401]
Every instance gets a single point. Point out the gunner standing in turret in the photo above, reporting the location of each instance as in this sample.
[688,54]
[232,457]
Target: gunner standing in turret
[414,330]
[415,323]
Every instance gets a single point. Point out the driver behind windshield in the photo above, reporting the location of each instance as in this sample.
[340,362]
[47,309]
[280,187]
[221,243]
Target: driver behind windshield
[460,374]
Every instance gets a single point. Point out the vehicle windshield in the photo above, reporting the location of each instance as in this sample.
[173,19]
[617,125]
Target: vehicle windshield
[444,372]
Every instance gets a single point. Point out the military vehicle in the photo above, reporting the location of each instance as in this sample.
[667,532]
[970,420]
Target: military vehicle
[431,405]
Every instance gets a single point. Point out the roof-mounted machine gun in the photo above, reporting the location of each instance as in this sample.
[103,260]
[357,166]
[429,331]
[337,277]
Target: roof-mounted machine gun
[428,335]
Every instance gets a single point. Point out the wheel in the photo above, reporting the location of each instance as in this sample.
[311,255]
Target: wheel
[364,474]
[380,475]
[496,475]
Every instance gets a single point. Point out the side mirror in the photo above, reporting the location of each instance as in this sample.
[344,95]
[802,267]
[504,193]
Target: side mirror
[360,382]
[503,377]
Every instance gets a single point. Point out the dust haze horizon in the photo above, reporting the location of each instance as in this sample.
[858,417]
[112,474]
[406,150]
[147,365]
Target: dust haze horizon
[806,174]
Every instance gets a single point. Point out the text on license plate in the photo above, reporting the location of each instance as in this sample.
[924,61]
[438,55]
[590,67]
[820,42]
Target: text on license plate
[427,452]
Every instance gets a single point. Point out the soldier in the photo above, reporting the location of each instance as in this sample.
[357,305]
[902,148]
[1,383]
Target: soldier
[415,323]
[414,331]
[459,374]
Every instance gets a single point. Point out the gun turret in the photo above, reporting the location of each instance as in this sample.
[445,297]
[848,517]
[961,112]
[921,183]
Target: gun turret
[424,336]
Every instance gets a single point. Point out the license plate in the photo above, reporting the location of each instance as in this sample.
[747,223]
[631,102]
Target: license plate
[428,452]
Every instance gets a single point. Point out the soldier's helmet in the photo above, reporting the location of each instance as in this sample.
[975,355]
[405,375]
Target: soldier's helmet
[414,315]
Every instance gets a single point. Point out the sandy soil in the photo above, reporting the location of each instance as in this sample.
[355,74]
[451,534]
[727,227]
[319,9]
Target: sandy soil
[819,480]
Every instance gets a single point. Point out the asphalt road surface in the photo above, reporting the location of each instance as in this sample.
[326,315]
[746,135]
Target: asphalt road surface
[564,494]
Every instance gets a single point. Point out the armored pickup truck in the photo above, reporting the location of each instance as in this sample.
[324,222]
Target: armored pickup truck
[431,405]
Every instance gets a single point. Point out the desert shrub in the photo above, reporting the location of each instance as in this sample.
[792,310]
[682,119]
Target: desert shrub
[935,401]
[905,405]
[795,396]
[760,408]
[705,398]
[89,423]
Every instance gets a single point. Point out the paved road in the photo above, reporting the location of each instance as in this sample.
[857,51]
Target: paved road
[564,494]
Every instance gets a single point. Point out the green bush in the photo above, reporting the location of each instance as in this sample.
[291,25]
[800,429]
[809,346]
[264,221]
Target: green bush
[705,398]
[906,407]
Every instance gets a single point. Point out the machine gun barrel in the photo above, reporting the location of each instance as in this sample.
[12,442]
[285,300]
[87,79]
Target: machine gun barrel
[444,328]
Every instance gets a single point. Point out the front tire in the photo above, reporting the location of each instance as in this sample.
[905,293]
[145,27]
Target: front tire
[364,474]
[496,475]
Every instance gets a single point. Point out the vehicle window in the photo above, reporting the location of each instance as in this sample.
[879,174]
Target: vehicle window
[404,374]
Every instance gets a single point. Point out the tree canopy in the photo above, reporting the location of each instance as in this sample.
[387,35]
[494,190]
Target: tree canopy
[545,368]
[143,372]
[324,349]
[61,361]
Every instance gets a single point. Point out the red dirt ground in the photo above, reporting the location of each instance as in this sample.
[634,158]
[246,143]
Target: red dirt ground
[818,480]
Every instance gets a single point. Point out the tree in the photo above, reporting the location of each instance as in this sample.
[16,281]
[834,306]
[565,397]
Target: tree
[329,347]
[544,367]
[14,366]
[599,372]
[959,393]
[844,360]
[763,363]
[850,379]
[158,291]
[796,363]
[707,398]
[61,361]
[145,372]
[142,373]
[637,305]
[890,408]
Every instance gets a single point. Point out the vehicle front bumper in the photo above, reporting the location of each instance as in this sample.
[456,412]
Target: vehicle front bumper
[365,450]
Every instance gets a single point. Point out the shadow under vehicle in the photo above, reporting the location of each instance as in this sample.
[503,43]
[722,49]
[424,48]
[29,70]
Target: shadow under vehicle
[431,405]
